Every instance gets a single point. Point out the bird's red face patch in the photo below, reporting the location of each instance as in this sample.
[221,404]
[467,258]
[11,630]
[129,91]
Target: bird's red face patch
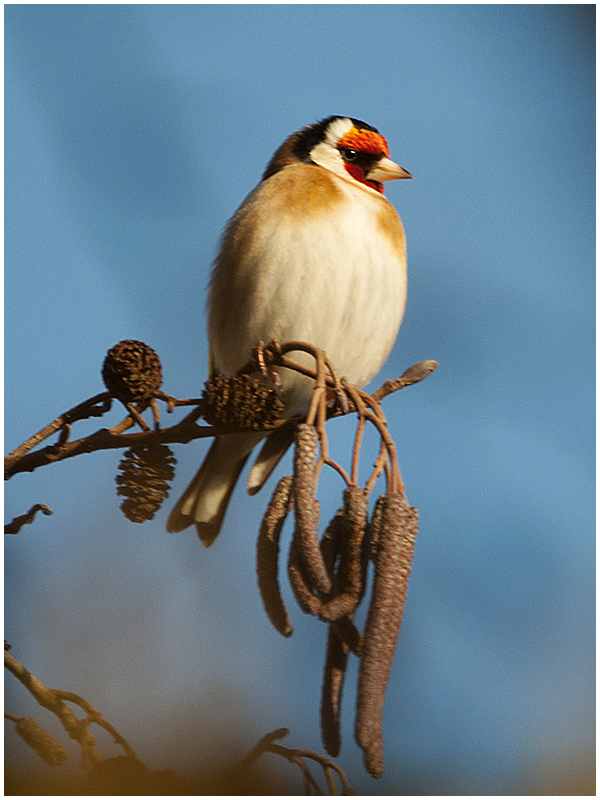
[364,141]
[358,174]
[367,141]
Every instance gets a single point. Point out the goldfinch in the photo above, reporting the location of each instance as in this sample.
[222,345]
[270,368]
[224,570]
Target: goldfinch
[315,253]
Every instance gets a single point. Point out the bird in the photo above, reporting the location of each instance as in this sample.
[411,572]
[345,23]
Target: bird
[315,253]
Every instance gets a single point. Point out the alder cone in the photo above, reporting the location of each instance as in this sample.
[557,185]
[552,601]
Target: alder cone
[132,371]
[240,402]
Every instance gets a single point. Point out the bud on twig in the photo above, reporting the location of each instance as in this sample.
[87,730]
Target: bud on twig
[414,374]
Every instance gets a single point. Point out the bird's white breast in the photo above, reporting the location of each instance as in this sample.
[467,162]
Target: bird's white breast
[331,272]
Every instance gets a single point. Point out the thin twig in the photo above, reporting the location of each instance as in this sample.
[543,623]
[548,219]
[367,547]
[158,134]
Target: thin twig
[268,745]
[135,413]
[378,467]
[260,748]
[338,468]
[104,439]
[93,407]
[356,450]
[323,761]
[15,525]
[375,415]
[95,716]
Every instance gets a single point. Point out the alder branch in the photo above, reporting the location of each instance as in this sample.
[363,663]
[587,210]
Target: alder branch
[93,407]
[105,439]
[328,576]
[25,459]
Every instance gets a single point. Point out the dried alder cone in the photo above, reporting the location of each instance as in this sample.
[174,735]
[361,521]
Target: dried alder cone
[240,402]
[132,371]
[144,477]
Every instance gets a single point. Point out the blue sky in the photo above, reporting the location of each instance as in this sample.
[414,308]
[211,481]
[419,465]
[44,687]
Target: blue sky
[132,134]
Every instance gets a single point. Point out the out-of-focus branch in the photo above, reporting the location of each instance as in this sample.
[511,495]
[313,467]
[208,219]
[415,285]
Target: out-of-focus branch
[55,701]
[297,756]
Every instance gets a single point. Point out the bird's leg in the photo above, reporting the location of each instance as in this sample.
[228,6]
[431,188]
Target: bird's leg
[338,388]
[264,355]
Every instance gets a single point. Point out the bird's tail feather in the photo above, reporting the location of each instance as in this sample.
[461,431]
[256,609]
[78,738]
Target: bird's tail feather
[204,502]
[270,455]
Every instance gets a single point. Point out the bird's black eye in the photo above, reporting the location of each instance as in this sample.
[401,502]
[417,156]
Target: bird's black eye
[348,154]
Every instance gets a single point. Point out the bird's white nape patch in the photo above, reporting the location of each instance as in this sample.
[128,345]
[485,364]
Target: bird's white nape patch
[337,128]
[326,154]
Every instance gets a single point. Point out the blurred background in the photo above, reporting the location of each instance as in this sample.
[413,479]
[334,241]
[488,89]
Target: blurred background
[133,132]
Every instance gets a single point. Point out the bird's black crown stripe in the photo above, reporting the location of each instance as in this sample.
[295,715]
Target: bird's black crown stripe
[313,134]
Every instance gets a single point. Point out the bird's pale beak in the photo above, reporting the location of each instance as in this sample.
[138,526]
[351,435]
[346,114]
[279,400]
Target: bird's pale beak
[387,170]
